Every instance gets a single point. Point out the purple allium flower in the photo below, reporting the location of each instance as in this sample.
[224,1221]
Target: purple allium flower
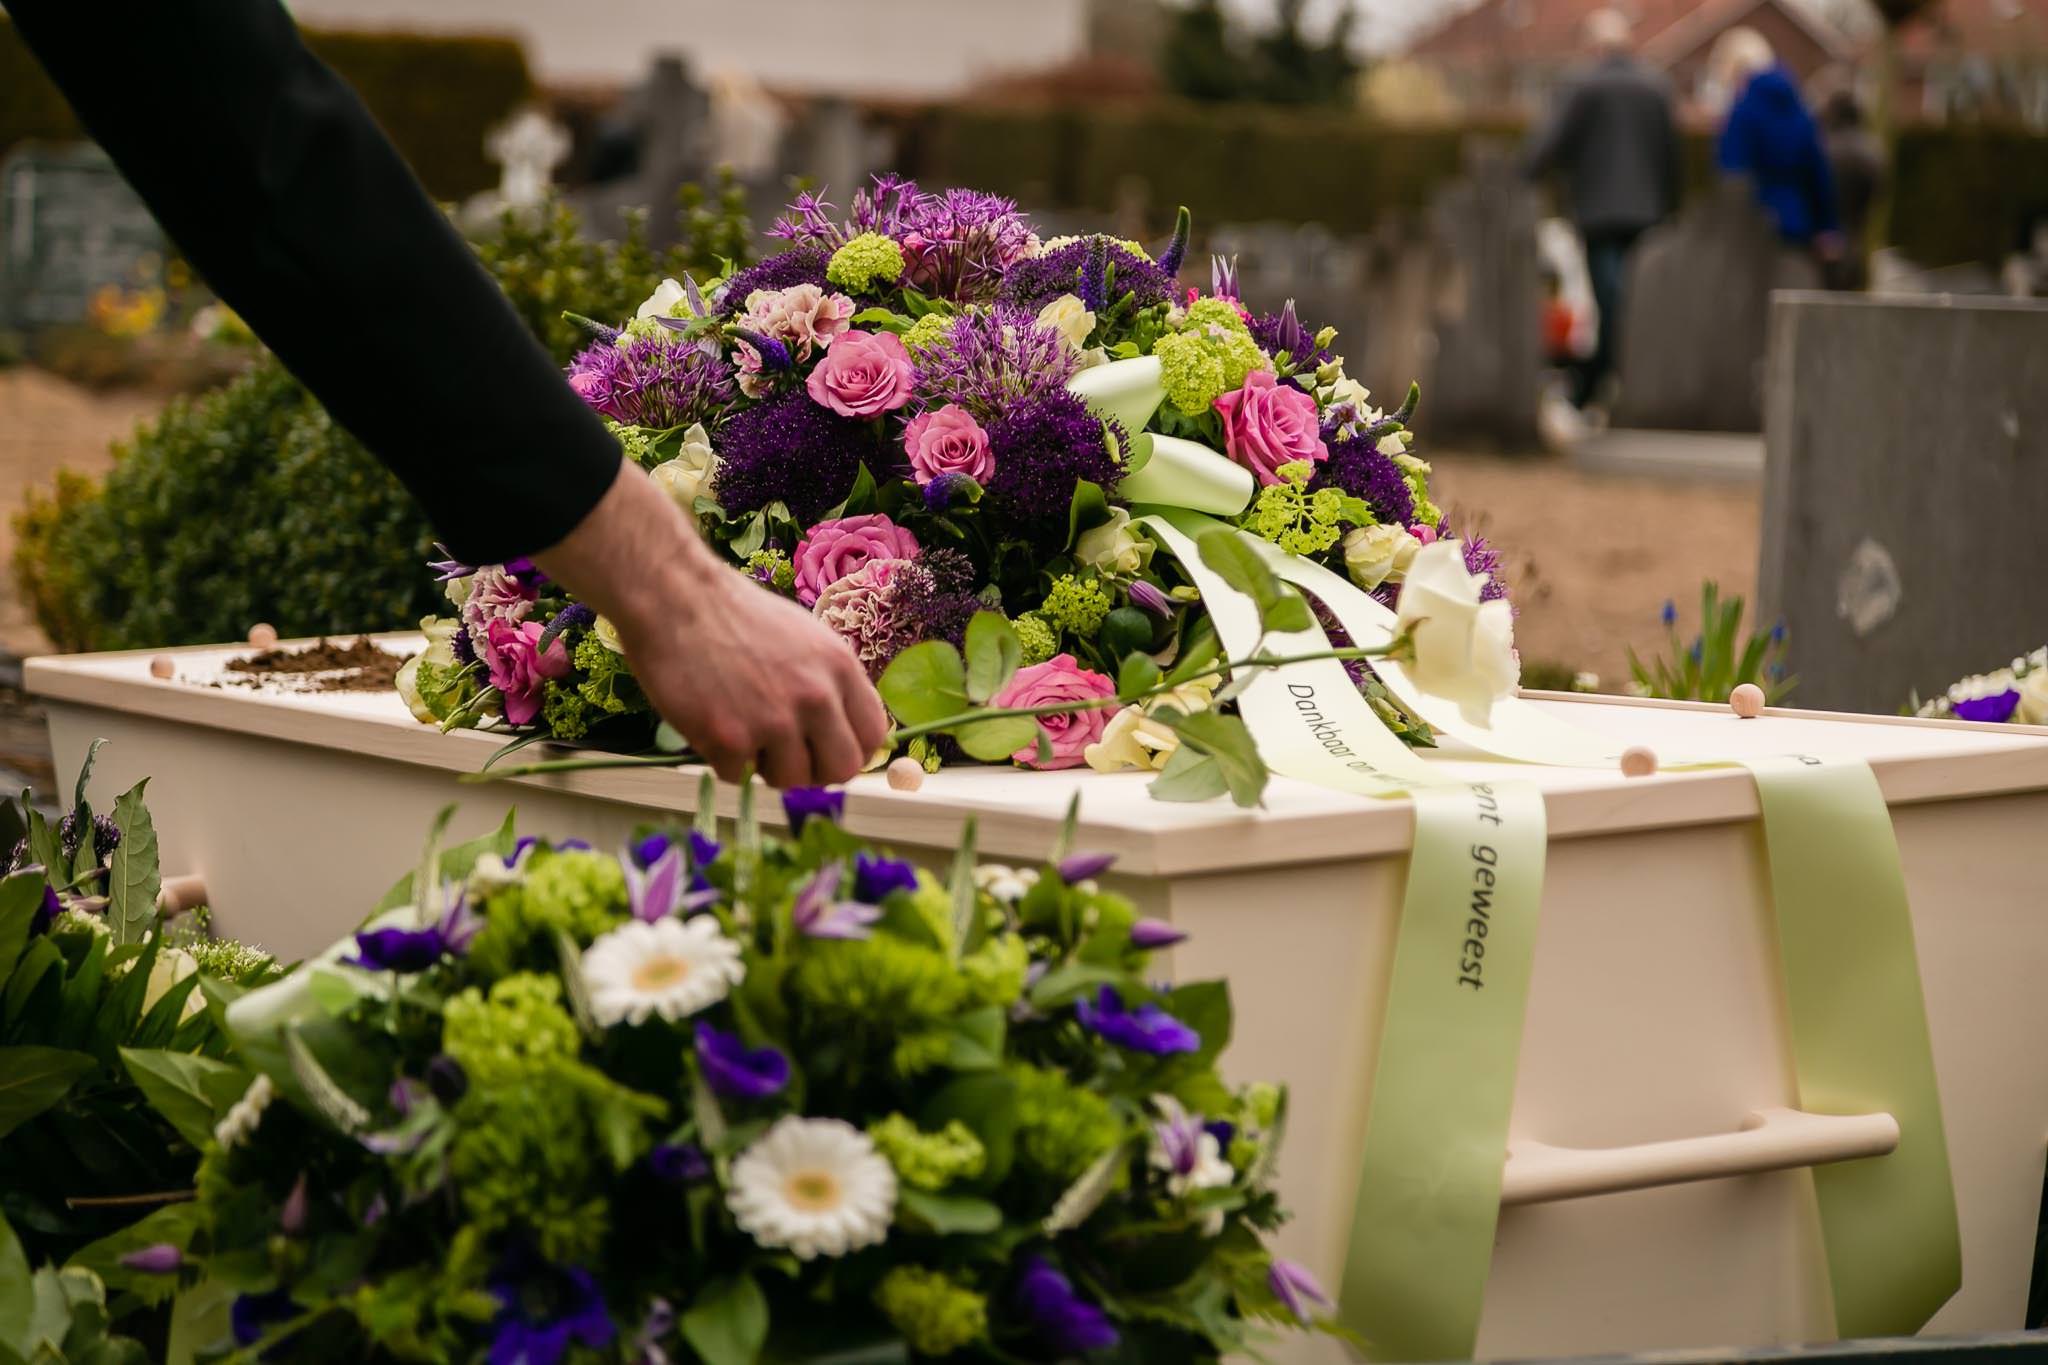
[1150,935]
[1482,560]
[679,1163]
[653,381]
[1357,467]
[1995,709]
[949,488]
[1033,284]
[1148,1028]
[792,450]
[785,270]
[542,1308]
[448,566]
[1282,331]
[574,616]
[956,245]
[935,599]
[446,1078]
[738,1072]
[887,209]
[1297,1289]
[799,804]
[160,1258]
[1044,447]
[1079,867]
[462,647]
[992,361]
[1063,1322]
[1145,597]
[416,950]
[874,877]
[818,912]
[251,1315]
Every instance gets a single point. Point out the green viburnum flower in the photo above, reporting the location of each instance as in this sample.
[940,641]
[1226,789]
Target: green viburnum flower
[522,1164]
[929,1161]
[1207,313]
[1040,640]
[503,1038]
[635,441]
[1075,605]
[928,333]
[934,1314]
[1209,357]
[866,262]
[773,568]
[575,890]
[862,981]
[608,685]
[994,973]
[227,959]
[564,711]
[1298,521]
[1061,1128]
[639,329]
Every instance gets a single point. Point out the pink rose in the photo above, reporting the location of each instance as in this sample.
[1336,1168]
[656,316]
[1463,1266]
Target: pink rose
[1267,424]
[518,668]
[1060,679]
[865,374]
[831,550]
[948,441]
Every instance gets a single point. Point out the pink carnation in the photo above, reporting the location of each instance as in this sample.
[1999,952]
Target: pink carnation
[802,315]
[859,609]
[518,667]
[865,374]
[948,441]
[1267,424]
[831,550]
[1060,679]
[495,595]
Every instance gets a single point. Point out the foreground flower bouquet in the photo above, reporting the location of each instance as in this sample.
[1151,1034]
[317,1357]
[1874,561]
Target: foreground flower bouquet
[925,412]
[729,1098]
[2017,693]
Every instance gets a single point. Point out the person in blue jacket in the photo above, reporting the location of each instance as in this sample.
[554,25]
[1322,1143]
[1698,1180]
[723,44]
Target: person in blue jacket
[1772,140]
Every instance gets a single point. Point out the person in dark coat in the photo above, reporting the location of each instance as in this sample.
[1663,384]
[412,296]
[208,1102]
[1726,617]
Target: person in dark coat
[1614,140]
[1857,158]
[1771,140]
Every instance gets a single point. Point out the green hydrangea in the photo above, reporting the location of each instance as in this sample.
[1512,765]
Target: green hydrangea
[1298,521]
[1075,605]
[994,973]
[523,1159]
[564,710]
[935,1315]
[639,329]
[1208,358]
[503,1038]
[575,890]
[867,261]
[928,333]
[1207,313]
[929,1161]
[879,979]
[1061,1129]
[1040,640]
[608,683]
[773,568]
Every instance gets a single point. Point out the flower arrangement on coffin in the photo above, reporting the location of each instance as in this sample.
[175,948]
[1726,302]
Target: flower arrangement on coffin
[731,1098]
[924,412]
[2016,693]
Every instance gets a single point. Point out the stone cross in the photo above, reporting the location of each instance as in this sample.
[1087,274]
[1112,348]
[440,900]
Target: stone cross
[528,147]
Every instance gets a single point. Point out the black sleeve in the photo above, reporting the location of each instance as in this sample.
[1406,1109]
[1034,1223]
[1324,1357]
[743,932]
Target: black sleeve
[278,186]
[1554,139]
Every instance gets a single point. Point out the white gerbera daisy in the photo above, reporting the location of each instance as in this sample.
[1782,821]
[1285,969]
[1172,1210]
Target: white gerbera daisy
[816,1186]
[671,967]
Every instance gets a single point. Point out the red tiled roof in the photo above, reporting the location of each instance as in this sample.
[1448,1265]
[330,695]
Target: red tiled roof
[1984,27]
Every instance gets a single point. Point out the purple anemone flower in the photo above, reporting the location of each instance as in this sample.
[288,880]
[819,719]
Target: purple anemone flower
[819,913]
[679,1163]
[1148,1028]
[874,877]
[648,851]
[799,804]
[160,1258]
[542,1308]
[1079,867]
[1996,709]
[736,1071]
[415,950]
[1063,1321]
[1154,934]
[252,1315]
[1297,1289]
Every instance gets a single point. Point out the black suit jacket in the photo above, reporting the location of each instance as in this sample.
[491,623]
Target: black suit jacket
[278,186]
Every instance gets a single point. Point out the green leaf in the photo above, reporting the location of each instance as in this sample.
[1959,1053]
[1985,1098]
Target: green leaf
[1288,615]
[994,654]
[1126,630]
[1137,676]
[41,959]
[456,862]
[1199,651]
[668,739]
[705,821]
[968,925]
[924,683]
[977,1040]
[1227,740]
[1189,775]
[946,1214]
[995,739]
[1086,510]
[882,319]
[860,500]
[33,1079]
[21,896]
[132,883]
[1086,1194]
[985,1101]
[92,754]
[1225,554]
[1070,823]
[17,1292]
[174,1223]
[192,1093]
[1062,985]
[727,1323]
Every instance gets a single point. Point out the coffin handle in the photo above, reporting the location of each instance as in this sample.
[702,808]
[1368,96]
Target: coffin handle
[176,895]
[1769,1140]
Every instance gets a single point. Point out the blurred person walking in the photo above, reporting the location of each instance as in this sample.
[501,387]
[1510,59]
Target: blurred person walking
[1613,138]
[1856,157]
[1770,139]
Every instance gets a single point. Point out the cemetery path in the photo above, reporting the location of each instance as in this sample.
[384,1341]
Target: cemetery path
[1591,558]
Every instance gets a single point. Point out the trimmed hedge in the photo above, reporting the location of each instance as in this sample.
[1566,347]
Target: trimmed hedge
[435,96]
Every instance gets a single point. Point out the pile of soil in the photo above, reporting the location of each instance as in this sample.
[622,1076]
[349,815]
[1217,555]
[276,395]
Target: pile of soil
[328,666]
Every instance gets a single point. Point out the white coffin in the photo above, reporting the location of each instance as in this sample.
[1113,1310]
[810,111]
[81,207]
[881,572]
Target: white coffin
[1653,1013]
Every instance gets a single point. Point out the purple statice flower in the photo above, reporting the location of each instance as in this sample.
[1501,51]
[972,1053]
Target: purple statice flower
[875,876]
[1996,709]
[1483,560]
[1282,331]
[991,362]
[251,1315]
[160,1258]
[736,1071]
[935,599]
[785,270]
[818,912]
[1079,867]
[1145,597]
[574,616]
[949,488]
[679,1163]
[462,646]
[542,1308]
[653,381]
[1034,283]
[793,451]
[957,245]
[416,950]
[448,566]
[1150,935]
[1148,1028]
[801,804]
[1297,1289]
[1046,445]
[1064,1323]
[1357,467]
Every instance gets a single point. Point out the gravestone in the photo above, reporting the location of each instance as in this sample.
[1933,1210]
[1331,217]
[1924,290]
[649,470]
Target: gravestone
[1486,363]
[69,225]
[670,117]
[1905,488]
[1696,315]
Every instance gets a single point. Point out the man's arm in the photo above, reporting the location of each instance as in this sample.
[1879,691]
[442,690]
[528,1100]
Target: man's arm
[1553,141]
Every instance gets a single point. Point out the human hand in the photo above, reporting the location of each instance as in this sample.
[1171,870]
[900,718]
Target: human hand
[749,678]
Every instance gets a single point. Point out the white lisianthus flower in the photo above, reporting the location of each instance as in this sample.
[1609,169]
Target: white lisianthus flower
[689,475]
[607,634]
[1070,317]
[815,1186]
[440,652]
[1464,648]
[1136,738]
[239,1124]
[671,967]
[1345,389]
[662,302]
[1113,547]
[1374,554]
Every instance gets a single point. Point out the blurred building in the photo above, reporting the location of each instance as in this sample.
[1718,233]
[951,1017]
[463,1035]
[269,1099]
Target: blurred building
[1977,59]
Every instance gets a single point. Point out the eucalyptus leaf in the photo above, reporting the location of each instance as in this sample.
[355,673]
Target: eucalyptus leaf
[32,1079]
[1070,823]
[1225,554]
[1199,652]
[924,683]
[977,1043]
[994,654]
[727,1323]
[996,738]
[132,881]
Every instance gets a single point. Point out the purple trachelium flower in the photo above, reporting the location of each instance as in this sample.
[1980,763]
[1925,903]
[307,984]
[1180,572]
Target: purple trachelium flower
[542,1308]
[784,270]
[448,566]
[990,362]
[818,912]
[574,616]
[679,1163]
[1062,1321]
[1150,935]
[874,877]
[738,1072]
[1044,447]
[949,488]
[415,950]
[800,804]
[1357,467]
[791,450]
[1995,709]
[160,1258]
[1145,597]
[1148,1028]
[1297,1289]
[251,1315]
[653,381]
[1079,867]
[1033,284]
